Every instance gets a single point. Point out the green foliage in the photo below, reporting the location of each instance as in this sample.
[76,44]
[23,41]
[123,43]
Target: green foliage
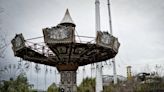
[153,84]
[108,88]
[18,85]
[87,85]
[53,88]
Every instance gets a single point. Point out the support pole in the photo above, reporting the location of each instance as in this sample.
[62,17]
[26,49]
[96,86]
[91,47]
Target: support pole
[114,71]
[97,14]
[99,86]
[111,32]
[68,81]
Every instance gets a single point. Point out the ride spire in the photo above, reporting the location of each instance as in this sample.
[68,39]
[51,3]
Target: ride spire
[67,19]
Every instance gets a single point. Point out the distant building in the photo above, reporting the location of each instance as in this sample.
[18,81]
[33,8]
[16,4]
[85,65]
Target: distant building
[107,79]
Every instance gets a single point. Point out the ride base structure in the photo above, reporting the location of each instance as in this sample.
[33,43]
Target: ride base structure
[63,51]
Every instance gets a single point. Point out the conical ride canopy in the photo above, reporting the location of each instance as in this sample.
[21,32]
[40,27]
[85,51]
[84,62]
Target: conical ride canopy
[67,19]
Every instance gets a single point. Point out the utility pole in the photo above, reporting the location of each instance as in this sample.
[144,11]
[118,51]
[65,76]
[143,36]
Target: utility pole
[99,86]
[111,32]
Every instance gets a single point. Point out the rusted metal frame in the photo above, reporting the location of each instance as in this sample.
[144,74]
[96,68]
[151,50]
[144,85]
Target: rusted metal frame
[92,58]
[28,51]
[37,60]
[40,58]
[90,48]
[27,42]
[52,59]
[55,51]
[93,55]
[85,60]
[87,50]
[39,49]
[70,52]
[96,57]
[76,55]
[106,53]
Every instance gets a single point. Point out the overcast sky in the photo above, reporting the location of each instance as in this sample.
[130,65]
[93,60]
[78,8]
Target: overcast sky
[138,24]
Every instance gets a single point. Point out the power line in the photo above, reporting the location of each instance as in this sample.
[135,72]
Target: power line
[85,36]
[78,36]
[35,38]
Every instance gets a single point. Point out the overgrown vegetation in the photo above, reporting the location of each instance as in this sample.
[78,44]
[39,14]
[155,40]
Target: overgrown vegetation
[155,84]
[53,88]
[87,85]
[20,84]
